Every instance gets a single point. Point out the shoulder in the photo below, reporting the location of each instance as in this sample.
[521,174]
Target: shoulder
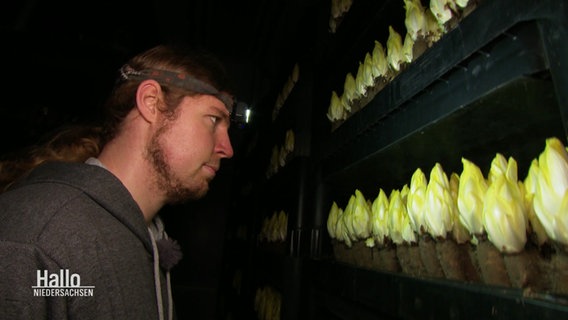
[31,205]
[66,199]
[53,189]
[53,184]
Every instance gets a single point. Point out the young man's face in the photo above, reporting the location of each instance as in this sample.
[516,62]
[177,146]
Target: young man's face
[186,151]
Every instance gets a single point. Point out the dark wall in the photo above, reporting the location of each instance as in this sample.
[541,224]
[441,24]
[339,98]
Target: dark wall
[199,227]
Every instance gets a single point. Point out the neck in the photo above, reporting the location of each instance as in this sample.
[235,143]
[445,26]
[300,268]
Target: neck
[125,157]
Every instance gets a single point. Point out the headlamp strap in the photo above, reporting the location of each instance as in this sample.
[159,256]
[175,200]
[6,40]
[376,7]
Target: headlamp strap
[180,80]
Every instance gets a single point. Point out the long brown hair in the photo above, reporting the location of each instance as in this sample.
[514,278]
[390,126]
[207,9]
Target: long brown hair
[195,62]
[73,143]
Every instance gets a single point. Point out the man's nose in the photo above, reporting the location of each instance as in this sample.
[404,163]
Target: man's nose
[224,146]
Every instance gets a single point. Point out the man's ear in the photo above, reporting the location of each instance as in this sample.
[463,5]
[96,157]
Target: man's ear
[148,98]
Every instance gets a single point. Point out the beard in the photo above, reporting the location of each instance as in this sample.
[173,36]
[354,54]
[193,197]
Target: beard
[175,189]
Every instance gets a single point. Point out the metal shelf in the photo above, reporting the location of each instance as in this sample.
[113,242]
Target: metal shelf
[514,119]
[464,65]
[380,295]
[495,83]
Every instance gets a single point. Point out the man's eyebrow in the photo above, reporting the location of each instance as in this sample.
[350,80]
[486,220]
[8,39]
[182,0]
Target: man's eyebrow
[223,111]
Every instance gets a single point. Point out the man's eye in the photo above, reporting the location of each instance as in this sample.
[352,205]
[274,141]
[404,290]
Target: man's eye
[214,119]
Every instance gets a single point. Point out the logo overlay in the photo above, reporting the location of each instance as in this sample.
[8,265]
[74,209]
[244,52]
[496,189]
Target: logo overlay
[62,284]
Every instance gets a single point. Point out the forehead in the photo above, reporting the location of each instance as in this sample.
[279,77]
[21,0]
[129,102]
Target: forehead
[206,103]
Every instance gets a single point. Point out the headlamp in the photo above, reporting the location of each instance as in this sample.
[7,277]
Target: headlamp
[241,114]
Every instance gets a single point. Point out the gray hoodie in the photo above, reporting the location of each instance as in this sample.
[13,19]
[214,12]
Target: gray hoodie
[74,245]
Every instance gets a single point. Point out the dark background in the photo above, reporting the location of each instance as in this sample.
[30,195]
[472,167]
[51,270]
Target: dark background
[59,63]
[60,57]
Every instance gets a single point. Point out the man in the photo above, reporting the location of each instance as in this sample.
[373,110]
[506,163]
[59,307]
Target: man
[82,240]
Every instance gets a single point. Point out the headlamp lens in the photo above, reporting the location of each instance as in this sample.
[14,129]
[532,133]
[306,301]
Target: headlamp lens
[242,113]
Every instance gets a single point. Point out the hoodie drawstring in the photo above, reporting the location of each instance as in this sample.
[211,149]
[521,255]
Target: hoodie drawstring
[159,229]
[158,284]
